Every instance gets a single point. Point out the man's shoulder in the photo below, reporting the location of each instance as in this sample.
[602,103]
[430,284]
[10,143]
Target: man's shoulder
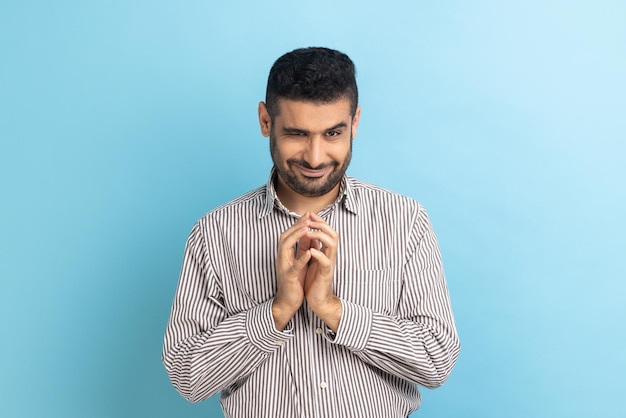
[245,204]
[371,193]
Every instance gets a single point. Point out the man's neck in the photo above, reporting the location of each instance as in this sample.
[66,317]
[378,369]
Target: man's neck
[300,204]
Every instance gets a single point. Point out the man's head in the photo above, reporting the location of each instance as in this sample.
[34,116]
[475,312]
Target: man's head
[318,75]
[311,117]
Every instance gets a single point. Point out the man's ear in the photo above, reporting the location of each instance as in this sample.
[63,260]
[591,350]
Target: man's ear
[355,121]
[265,121]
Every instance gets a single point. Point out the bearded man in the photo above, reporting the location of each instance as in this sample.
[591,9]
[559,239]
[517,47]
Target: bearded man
[316,295]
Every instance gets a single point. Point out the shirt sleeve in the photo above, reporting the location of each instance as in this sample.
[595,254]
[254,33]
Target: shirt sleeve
[420,343]
[205,350]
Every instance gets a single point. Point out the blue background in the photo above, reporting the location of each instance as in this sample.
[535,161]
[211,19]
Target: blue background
[122,122]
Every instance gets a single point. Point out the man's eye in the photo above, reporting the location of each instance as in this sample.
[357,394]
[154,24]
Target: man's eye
[333,133]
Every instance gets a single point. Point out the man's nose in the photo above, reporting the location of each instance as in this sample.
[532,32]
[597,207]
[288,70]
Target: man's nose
[314,153]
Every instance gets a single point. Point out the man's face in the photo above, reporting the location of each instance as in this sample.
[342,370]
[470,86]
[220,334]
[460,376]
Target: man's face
[311,144]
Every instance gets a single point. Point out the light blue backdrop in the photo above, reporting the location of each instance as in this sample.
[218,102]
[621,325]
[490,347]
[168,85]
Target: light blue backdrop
[122,122]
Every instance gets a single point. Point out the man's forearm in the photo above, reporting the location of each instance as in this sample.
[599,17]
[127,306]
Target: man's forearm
[203,364]
[405,348]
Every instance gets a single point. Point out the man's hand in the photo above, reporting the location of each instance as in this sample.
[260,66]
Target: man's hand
[291,271]
[305,266]
[318,282]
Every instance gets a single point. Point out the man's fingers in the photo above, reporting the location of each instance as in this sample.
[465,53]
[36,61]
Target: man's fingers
[317,223]
[328,243]
[290,237]
[304,243]
[315,217]
[301,261]
[315,243]
[320,257]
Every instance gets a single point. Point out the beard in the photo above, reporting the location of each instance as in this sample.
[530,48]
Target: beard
[309,187]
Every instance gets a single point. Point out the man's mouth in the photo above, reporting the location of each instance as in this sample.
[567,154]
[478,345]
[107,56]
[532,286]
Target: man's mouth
[313,173]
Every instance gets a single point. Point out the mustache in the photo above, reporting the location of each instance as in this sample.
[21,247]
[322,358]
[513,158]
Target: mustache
[295,161]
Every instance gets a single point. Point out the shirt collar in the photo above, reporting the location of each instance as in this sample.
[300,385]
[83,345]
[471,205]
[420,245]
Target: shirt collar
[347,197]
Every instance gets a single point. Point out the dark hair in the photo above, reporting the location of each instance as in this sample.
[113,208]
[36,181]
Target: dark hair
[314,74]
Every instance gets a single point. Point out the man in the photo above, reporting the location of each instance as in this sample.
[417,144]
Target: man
[316,295]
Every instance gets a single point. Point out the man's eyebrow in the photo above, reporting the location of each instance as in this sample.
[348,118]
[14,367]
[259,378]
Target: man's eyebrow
[293,130]
[337,126]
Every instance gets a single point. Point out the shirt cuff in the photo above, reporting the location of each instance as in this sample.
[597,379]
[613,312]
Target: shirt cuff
[262,331]
[355,326]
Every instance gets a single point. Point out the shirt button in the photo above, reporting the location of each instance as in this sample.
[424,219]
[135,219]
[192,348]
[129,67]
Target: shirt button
[318,331]
[323,385]
[279,342]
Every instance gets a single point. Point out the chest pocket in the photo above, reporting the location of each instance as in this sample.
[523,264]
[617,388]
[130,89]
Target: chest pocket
[379,290]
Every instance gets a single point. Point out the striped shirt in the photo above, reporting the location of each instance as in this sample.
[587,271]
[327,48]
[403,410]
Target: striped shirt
[396,331]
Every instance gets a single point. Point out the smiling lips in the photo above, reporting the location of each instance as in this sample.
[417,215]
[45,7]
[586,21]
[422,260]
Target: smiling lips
[306,172]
